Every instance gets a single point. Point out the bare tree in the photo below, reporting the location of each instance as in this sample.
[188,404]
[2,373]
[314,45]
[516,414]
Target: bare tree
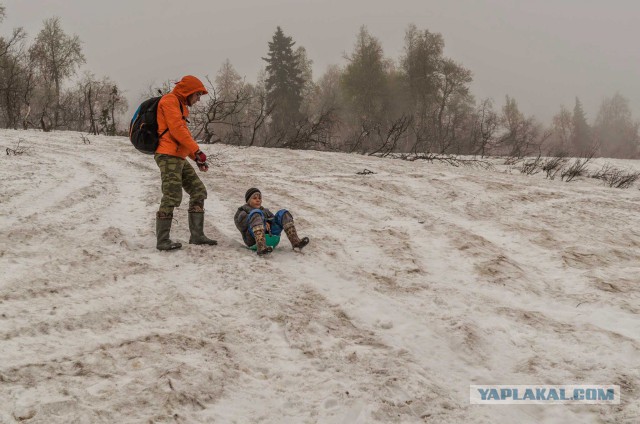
[232,98]
[439,94]
[15,77]
[113,103]
[485,123]
[616,132]
[259,111]
[57,56]
[89,97]
[309,133]
[6,45]
[562,137]
[92,105]
[522,135]
[235,118]
[388,137]
[452,103]
[421,63]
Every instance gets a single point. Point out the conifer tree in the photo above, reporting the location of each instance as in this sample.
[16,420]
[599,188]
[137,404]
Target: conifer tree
[581,134]
[228,81]
[365,79]
[284,81]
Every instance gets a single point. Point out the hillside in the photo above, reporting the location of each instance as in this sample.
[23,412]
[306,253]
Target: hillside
[420,280]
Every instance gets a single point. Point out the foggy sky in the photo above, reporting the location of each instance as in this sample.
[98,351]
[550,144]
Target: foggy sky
[543,53]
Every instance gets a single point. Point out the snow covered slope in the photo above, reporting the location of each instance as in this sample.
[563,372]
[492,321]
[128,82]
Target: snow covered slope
[420,280]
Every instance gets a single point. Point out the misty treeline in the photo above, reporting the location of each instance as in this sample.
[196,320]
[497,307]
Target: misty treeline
[37,90]
[420,102]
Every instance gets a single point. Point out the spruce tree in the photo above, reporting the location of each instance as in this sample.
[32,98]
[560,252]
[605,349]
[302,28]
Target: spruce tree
[365,79]
[581,134]
[284,82]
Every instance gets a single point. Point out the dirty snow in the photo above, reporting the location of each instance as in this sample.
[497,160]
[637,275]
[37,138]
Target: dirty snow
[420,280]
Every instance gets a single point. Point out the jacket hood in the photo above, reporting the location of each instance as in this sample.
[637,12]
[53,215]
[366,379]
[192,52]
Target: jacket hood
[187,86]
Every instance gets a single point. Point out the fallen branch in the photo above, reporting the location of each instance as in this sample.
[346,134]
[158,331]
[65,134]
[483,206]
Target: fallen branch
[616,178]
[577,169]
[553,165]
[365,172]
[532,167]
[19,150]
[449,160]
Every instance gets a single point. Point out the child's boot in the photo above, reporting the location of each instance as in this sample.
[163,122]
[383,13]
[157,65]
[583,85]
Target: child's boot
[261,241]
[292,235]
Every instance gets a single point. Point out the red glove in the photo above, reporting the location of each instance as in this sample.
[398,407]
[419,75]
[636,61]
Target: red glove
[201,161]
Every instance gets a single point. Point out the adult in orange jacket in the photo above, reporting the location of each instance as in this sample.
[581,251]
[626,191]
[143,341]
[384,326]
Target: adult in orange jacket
[175,145]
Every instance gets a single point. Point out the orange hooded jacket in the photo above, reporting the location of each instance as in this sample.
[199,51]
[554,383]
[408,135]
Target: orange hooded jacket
[178,140]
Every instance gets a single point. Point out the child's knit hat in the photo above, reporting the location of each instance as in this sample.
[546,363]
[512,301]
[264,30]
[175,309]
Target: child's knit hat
[250,193]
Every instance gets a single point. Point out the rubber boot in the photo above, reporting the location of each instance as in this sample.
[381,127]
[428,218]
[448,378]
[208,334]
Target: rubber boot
[163,228]
[196,227]
[292,235]
[261,241]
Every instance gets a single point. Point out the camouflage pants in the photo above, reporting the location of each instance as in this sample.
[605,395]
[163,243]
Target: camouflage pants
[176,174]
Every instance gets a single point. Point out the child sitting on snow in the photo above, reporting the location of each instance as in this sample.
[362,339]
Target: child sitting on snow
[254,221]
